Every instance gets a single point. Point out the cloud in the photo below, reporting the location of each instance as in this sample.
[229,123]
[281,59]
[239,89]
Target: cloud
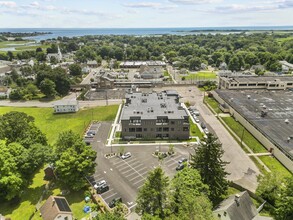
[152,5]
[8,4]
[194,2]
[256,7]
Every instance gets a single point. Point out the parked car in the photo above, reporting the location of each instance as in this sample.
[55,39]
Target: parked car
[126,155]
[180,166]
[203,125]
[196,113]
[182,160]
[100,183]
[206,131]
[196,120]
[102,189]
[114,202]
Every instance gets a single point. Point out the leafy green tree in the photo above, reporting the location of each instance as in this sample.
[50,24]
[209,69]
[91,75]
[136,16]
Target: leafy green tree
[269,187]
[234,64]
[16,94]
[194,63]
[41,56]
[19,127]
[47,87]
[75,70]
[207,160]
[284,210]
[109,216]
[10,179]
[75,161]
[152,197]
[189,196]
[32,89]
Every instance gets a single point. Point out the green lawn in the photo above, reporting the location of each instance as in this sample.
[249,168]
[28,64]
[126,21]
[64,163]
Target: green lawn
[52,125]
[194,130]
[275,166]
[213,103]
[201,75]
[4,44]
[248,138]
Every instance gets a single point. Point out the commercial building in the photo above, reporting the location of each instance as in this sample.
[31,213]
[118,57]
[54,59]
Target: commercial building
[66,106]
[267,115]
[154,115]
[138,64]
[256,82]
[150,72]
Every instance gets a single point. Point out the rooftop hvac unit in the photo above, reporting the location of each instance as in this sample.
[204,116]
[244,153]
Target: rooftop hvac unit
[287,121]
[248,96]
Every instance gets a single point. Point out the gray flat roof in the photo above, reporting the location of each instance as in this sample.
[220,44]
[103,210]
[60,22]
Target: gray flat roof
[244,79]
[279,105]
[151,105]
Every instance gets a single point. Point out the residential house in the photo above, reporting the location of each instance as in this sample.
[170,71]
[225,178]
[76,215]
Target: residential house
[66,106]
[56,208]
[238,207]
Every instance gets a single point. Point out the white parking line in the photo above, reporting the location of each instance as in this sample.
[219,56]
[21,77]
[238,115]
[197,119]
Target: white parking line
[132,164]
[135,170]
[132,206]
[130,174]
[119,162]
[141,169]
[110,196]
[138,181]
[135,167]
[140,186]
[134,178]
[172,164]
[121,165]
[127,167]
[126,171]
[146,172]
[110,190]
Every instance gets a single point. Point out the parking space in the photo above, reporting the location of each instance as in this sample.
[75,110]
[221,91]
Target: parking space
[91,132]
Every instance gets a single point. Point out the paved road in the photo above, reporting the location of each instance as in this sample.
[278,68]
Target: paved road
[241,168]
[82,104]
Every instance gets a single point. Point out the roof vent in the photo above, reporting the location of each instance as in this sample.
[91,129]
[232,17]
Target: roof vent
[248,96]
[287,121]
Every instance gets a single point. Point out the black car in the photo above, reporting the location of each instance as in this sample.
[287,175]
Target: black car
[102,189]
[114,202]
[180,166]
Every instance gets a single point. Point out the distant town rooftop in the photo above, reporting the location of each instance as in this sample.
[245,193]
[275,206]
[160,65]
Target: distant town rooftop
[277,124]
[245,79]
[153,105]
[142,63]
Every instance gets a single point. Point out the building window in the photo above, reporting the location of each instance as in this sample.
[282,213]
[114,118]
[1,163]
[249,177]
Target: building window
[172,129]
[158,135]
[165,129]
[172,122]
[145,129]
[138,129]
[138,135]
[158,129]
[185,129]
[131,129]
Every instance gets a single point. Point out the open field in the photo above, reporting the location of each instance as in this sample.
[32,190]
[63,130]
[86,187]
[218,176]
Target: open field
[201,75]
[213,103]
[19,46]
[52,125]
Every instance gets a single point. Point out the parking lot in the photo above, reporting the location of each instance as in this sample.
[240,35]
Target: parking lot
[91,132]
[126,177]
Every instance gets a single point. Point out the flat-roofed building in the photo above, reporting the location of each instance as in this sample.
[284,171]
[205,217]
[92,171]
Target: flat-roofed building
[256,82]
[154,115]
[137,64]
[66,106]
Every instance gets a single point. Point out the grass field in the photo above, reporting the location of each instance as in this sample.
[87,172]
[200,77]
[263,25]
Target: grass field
[213,103]
[52,125]
[194,130]
[19,47]
[201,75]
[248,139]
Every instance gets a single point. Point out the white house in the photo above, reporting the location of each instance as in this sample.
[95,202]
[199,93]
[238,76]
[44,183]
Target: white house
[56,208]
[66,106]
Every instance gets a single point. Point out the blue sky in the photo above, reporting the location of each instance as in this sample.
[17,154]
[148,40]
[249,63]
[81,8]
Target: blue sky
[144,13]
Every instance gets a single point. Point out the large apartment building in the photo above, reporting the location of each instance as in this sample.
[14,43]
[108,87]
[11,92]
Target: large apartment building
[154,116]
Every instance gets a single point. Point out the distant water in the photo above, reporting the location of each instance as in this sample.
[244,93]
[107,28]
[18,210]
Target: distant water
[76,32]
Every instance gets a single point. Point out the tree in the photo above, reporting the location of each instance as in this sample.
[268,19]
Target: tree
[189,196]
[75,160]
[75,70]
[47,87]
[152,197]
[207,160]
[19,127]
[269,188]
[41,56]
[109,216]
[234,64]
[284,210]
[10,179]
